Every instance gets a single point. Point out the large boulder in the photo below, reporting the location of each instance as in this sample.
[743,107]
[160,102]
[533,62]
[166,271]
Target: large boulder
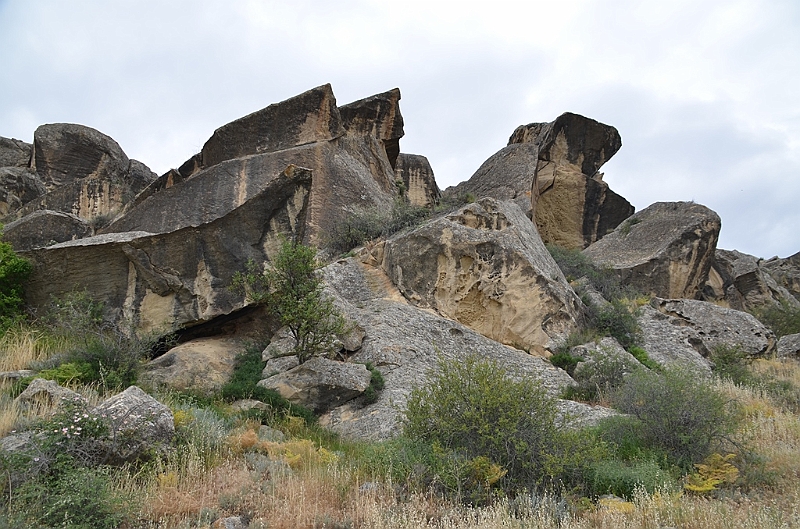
[138,424]
[320,383]
[378,117]
[551,171]
[686,331]
[744,282]
[416,174]
[789,346]
[15,153]
[45,394]
[306,118]
[203,365]
[406,343]
[485,266]
[665,250]
[45,228]
[180,278]
[18,186]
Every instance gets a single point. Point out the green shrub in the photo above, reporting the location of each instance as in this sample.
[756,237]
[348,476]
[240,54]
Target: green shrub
[641,355]
[574,264]
[732,362]
[601,374]
[566,361]
[678,413]
[617,320]
[471,408]
[622,478]
[14,272]
[783,319]
[291,290]
[376,384]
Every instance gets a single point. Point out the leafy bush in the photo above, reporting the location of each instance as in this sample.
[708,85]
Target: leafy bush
[622,478]
[470,408]
[599,375]
[617,320]
[732,362]
[641,355]
[783,319]
[376,384]
[292,291]
[677,413]
[574,264]
[14,272]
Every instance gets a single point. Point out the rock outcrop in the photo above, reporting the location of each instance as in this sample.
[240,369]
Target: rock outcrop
[485,266]
[419,184]
[744,282]
[15,153]
[786,273]
[665,250]
[179,278]
[45,228]
[789,346]
[686,331]
[18,186]
[551,171]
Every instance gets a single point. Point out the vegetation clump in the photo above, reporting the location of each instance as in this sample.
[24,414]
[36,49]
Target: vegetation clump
[14,272]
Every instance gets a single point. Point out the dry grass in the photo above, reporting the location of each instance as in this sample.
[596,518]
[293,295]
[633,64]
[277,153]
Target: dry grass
[21,347]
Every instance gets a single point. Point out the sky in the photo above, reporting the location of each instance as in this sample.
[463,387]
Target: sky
[705,93]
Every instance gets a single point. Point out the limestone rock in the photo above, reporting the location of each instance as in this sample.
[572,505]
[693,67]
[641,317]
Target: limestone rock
[377,116]
[179,278]
[320,383]
[137,423]
[203,365]
[417,176]
[15,153]
[744,282]
[786,272]
[47,393]
[665,250]
[306,118]
[279,365]
[45,228]
[405,343]
[687,331]
[789,345]
[18,186]
[485,266]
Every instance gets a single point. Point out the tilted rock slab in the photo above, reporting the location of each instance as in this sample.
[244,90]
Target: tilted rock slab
[350,166]
[665,250]
[485,266]
[180,278]
[744,282]
[551,171]
[45,228]
[405,343]
[320,383]
[686,331]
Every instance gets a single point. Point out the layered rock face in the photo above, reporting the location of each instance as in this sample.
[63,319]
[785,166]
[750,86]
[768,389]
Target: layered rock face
[416,174]
[665,250]
[551,171]
[486,267]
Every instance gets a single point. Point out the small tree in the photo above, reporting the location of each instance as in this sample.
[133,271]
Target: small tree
[14,271]
[292,291]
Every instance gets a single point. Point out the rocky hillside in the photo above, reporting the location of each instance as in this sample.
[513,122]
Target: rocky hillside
[475,277]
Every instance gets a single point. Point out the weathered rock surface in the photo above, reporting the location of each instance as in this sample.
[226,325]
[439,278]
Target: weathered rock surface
[138,423]
[417,176]
[744,282]
[320,383]
[278,365]
[45,393]
[606,351]
[786,272]
[179,278]
[15,153]
[551,171]
[18,186]
[378,117]
[45,228]
[665,250]
[306,118]
[485,266]
[686,331]
[405,343]
[203,365]
[789,345]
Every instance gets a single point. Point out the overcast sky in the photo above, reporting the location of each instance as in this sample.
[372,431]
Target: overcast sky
[705,93]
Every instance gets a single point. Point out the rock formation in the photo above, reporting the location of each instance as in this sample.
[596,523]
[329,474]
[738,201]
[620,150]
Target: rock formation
[744,282]
[665,250]
[416,175]
[485,266]
[551,171]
